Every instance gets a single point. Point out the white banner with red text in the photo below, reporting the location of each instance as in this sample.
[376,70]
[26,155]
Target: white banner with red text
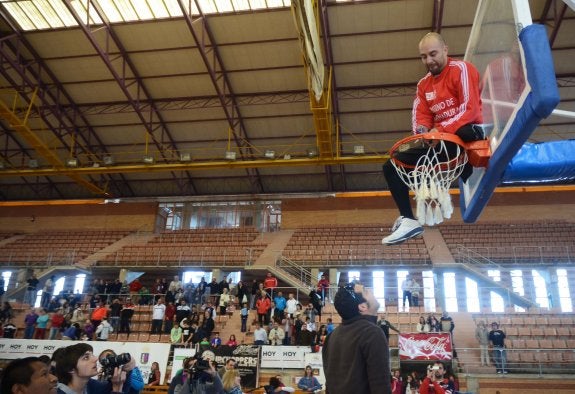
[431,346]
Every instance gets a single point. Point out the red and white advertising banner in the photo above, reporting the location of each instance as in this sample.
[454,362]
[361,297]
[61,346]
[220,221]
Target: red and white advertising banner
[432,346]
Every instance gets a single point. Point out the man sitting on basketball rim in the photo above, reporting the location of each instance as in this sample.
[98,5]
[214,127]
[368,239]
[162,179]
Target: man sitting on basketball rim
[448,100]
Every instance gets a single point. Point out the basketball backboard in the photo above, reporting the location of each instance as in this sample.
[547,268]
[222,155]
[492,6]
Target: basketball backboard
[519,89]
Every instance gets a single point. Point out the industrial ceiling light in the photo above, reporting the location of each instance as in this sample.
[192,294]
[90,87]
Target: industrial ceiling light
[148,159]
[184,157]
[33,163]
[108,160]
[72,162]
[270,154]
[230,155]
[311,153]
[358,150]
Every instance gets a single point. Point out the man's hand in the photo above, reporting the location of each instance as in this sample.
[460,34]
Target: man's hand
[372,303]
[118,379]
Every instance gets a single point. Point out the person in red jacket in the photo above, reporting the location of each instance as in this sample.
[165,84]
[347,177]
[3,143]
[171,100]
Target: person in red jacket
[322,287]
[263,306]
[435,382]
[448,100]
[270,283]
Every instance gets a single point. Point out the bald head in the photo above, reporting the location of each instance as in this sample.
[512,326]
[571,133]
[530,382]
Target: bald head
[433,52]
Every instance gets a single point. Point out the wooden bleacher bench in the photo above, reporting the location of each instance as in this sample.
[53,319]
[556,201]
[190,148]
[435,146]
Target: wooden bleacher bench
[155,389]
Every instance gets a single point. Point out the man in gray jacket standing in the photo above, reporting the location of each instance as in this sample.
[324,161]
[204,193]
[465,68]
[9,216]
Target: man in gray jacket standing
[356,354]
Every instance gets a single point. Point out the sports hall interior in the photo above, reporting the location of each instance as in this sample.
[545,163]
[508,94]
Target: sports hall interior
[180,136]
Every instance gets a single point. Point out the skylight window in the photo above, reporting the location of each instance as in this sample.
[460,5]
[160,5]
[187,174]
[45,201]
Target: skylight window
[53,14]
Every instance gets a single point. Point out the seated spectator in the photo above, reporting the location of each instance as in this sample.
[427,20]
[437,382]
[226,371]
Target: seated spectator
[309,383]
[216,341]
[154,378]
[9,330]
[232,341]
[276,386]
[89,330]
[104,330]
[28,376]
[71,333]
[260,335]
[422,326]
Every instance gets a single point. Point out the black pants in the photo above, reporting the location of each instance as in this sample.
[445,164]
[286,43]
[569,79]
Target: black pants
[400,191]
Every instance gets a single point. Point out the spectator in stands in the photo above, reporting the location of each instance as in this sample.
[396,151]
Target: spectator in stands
[115,310]
[75,367]
[41,324]
[182,311]
[276,335]
[287,324]
[482,336]
[188,294]
[434,325]
[126,315]
[99,313]
[291,305]
[447,324]
[263,306]
[9,329]
[270,283]
[207,325]
[30,323]
[187,331]
[175,284]
[216,341]
[214,288]
[435,381]
[135,286]
[396,382]
[125,289]
[224,284]
[232,382]
[308,382]
[260,335]
[229,365]
[254,292]
[158,312]
[422,325]
[297,327]
[145,296]
[415,289]
[225,300]
[322,287]
[330,326]
[406,287]
[242,293]
[497,339]
[6,312]
[358,342]
[385,326]
[244,314]
[411,386]
[232,341]
[47,291]
[134,381]
[88,331]
[104,330]
[154,378]
[201,290]
[176,334]
[28,375]
[316,303]
[72,333]
[276,386]
[306,337]
[280,306]
[320,336]
[31,290]
[169,316]
[56,324]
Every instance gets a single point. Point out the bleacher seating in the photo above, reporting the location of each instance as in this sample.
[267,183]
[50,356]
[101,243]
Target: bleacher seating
[226,247]
[359,244]
[518,243]
[57,247]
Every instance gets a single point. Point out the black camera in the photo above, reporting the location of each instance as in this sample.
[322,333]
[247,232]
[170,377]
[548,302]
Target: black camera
[112,361]
[200,368]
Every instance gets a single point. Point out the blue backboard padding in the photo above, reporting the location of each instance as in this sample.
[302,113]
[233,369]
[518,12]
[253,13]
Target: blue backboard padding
[543,162]
[539,103]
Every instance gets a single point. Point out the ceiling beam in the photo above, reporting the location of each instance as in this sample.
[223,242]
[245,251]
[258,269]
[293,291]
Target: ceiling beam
[210,54]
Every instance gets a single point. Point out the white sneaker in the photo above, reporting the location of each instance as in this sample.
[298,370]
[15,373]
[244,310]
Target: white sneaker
[407,228]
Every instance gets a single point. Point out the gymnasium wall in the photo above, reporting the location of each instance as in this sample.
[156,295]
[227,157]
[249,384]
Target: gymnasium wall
[510,204]
[84,216]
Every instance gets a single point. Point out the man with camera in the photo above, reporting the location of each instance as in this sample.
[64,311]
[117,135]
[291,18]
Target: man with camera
[198,377]
[109,361]
[356,355]
[435,382]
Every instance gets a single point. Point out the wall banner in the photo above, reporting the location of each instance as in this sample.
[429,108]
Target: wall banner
[431,346]
[284,357]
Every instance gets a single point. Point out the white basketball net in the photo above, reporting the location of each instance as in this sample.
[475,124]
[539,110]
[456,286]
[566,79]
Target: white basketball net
[431,180]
